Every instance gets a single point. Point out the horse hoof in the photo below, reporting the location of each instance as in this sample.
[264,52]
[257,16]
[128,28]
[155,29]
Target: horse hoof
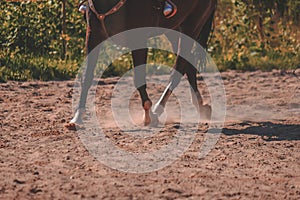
[150,118]
[76,121]
[70,126]
[205,112]
[73,127]
[147,119]
[147,114]
[154,120]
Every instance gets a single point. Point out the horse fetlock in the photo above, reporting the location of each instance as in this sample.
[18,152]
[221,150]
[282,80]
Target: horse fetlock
[158,109]
[147,105]
[77,119]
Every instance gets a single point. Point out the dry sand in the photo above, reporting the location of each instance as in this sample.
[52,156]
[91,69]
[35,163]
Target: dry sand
[256,157]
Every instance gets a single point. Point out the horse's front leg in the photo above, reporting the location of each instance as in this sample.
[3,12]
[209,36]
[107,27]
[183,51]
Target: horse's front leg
[139,60]
[88,75]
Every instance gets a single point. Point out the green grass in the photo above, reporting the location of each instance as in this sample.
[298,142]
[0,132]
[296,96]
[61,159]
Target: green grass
[268,62]
[28,67]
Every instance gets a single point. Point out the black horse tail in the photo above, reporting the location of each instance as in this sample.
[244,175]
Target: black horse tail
[205,38]
[207,30]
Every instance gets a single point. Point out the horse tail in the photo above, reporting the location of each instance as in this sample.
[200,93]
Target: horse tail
[208,28]
[205,38]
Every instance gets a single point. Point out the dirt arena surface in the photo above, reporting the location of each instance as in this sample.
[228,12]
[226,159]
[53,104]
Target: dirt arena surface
[256,157]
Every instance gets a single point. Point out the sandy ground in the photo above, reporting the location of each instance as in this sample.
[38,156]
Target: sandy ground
[256,157]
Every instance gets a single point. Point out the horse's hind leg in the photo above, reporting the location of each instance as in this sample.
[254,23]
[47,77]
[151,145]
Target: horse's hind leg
[139,60]
[200,55]
[203,109]
[182,66]
[176,75]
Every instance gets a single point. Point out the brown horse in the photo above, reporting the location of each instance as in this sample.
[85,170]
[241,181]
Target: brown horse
[106,18]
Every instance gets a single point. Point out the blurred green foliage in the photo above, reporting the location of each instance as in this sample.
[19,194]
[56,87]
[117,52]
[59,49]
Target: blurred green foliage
[32,40]
[257,34]
[249,35]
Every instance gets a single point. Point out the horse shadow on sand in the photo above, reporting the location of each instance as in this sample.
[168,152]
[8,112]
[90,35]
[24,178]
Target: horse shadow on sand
[269,131]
